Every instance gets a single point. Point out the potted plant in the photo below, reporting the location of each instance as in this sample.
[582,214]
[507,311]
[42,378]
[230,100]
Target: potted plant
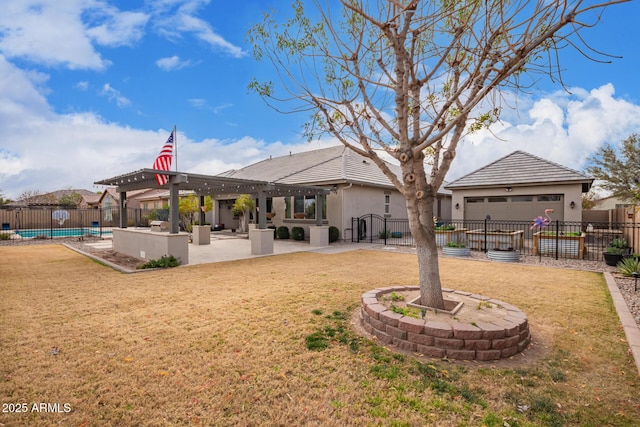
[504,255]
[455,249]
[616,252]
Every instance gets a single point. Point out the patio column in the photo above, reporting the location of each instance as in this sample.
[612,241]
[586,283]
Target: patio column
[319,203]
[262,212]
[202,205]
[174,213]
[123,210]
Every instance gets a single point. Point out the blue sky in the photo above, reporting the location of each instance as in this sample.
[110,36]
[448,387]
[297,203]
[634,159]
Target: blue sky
[90,89]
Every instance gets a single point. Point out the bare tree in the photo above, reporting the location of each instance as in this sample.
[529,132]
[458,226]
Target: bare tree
[413,77]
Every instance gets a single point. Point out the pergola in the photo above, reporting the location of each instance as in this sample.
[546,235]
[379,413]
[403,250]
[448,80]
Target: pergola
[208,185]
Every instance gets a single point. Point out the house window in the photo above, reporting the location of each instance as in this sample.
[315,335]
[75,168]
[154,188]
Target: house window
[550,198]
[497,199]
[522,199]
[474,199]
[304,207]
[387,204]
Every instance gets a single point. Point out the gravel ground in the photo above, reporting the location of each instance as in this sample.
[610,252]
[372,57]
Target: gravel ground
[626,285]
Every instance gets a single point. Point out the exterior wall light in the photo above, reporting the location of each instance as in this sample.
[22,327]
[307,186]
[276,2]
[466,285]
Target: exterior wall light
[572,205]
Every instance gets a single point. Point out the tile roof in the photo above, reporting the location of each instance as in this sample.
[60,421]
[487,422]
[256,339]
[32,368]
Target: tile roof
[318,167]
[519,168]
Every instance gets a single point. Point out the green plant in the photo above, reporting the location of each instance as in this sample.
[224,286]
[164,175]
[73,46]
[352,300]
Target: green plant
[452,244]
[628,266]
[163,262]
[283,232]
[384,234]
[614,250]
[618,243]
[297,233]
[334,234]
[396,297]
[5,236]
[446,227]
[405,311]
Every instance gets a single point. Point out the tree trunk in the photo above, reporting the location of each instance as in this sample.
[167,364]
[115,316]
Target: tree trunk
[422,229]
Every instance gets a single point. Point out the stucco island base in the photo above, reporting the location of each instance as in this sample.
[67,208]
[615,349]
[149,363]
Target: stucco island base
[482,329]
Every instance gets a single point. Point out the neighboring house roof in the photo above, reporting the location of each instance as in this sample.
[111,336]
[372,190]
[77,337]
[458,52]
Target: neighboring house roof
[517,169]
[326,166]
[52,198]
[130,194]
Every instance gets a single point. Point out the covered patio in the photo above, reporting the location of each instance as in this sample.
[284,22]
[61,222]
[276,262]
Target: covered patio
[155,242]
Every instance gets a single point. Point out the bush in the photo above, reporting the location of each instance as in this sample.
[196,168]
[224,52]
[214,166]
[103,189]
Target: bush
[297,233]
[163,262]
[283,232]
[629,265]
[334,234]
[5,236]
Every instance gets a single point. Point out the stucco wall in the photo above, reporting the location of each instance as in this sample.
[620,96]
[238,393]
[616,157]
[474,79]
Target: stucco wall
[571,192]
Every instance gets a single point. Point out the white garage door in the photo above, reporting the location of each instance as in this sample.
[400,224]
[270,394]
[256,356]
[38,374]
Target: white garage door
[515,208]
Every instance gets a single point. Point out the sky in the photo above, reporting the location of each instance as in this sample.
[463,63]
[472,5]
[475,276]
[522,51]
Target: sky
[91,89]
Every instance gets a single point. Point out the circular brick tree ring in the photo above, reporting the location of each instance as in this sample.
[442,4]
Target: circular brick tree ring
[486,329]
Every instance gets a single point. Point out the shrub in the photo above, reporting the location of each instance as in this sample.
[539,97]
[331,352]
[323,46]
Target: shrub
[163,262]
[297,233]
[7,236]
[446,227]
[618,243]
[283,232]
[452,244]
[628,266]
[384,234]
[334,234]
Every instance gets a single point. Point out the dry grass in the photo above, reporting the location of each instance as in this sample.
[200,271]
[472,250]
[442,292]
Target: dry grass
[224,344]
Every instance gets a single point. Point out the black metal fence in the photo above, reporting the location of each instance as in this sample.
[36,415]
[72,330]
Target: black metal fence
[558,239]
[52,222]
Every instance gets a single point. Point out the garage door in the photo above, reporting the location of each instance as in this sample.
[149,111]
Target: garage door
[515,208]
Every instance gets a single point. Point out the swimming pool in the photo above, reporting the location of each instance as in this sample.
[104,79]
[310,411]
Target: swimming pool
[62,232]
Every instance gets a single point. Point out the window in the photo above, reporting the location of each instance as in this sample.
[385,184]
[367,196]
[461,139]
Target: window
[474,199]
[522,199]
[497,199]
[304,207]
[550,198]
[387,204]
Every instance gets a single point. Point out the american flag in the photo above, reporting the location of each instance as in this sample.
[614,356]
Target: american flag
[163,161]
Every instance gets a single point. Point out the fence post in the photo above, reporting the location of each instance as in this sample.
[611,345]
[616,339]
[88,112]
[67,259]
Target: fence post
[51,223]
[385,231]
[557,237]
[484,241]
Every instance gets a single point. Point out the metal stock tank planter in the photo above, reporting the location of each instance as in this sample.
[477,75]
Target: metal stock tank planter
[456,249]
[508,255]
[566,245]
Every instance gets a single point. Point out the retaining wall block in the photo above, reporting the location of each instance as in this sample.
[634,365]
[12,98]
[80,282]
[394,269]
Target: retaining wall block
[390,318]
[449,343]
[461,354]
[477,344]
[430,351]
[438,329]
[374,310]
[466,331]
[420,338]
[491,331]
[411,324]
[396,332]
[508,352]
[485,355]
[404,345]
[383,336]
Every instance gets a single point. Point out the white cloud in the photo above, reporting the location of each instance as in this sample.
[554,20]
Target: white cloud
[173,25]
[49,32]
[172,63]
[114,95]
[119,28]
[564,128]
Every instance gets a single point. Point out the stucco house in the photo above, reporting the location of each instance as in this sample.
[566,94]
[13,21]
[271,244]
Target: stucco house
[519,186]
[357,187]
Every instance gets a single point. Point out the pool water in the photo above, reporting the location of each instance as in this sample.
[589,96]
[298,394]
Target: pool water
[61,232]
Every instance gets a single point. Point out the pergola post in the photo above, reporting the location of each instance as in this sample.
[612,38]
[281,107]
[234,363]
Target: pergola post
[123,210]
[319,234]
[202,209]
[174,202]
[262,211]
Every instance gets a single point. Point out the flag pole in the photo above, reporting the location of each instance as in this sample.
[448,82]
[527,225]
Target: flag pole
[175,145]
